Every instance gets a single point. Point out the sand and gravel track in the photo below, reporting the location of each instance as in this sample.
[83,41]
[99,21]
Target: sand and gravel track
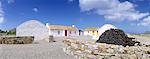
[34,51]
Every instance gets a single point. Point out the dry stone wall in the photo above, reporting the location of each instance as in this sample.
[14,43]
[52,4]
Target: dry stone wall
[90,50]
[17,40]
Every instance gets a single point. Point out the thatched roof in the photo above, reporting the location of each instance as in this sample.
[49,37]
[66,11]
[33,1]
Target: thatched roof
[91,29]
[61,27]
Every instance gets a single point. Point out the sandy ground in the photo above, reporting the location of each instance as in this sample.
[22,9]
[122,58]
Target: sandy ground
[34,51]
[144,39]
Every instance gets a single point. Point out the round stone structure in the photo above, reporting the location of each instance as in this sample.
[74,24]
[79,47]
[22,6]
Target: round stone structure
[33,28]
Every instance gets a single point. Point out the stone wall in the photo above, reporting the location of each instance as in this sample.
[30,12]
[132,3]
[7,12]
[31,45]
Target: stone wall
[16,40]
[90,50]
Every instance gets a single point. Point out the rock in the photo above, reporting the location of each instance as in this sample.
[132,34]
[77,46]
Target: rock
[146,56]
[136,44]
[110,51]
[91,47]
[148,52]
[115,57]
[95,47]
[75,46]
[51,39]
[127,56]
[81,47]
[116,36]
[28,40]
[107,57]
[95,52]
[65,49]
[100,57]
[133,56]
[124,56]
[88,51]
[119,50]
[102,48]
[78,51]
[106,54]
[91,57]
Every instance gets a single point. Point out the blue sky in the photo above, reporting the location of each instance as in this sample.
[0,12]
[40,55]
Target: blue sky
[130,15]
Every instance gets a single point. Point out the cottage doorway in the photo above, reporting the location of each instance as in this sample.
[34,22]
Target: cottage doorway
[65,32]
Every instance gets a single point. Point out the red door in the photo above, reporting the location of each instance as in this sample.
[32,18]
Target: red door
[65,32]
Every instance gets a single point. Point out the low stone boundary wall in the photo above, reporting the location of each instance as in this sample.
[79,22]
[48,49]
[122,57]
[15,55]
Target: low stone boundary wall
[17,40]
[90,50]
[81,37]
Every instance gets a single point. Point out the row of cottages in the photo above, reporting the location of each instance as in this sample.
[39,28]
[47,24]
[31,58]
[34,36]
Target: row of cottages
[60,30]
[41,31]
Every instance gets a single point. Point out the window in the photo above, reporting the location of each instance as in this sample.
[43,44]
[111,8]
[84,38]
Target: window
[93,32]
[70,32]
[58,32]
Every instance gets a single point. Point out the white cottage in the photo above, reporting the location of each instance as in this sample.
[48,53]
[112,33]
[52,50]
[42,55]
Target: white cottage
[96,32]
[60,30]
[91,32]
[33,28]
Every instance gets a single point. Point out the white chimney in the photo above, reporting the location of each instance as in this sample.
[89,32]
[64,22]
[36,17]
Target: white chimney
[47,25]
[73,25]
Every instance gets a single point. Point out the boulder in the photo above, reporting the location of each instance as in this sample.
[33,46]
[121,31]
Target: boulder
[116,36]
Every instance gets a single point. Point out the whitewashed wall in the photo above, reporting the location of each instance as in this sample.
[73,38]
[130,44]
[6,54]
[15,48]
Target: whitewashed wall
[73,33]
[87,32]
[62,33]
[55,32]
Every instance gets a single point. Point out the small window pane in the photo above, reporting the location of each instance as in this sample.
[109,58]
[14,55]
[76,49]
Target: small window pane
[58,32]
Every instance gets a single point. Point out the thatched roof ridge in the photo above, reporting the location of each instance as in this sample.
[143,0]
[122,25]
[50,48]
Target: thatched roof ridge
[61,27]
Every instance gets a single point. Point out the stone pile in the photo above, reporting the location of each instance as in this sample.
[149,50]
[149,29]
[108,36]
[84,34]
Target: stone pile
[116,36]
[17,40]
[90,50]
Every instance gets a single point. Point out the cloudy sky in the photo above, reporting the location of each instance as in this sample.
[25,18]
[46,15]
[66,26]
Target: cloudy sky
[130,15]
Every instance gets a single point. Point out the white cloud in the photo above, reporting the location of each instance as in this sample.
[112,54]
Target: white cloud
[1,19]
[112,9]
[10,1]
[1,13]
[35,9]
[70,0]
[145,22]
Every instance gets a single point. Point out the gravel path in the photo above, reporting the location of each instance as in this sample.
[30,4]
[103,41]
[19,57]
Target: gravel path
[34,51]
